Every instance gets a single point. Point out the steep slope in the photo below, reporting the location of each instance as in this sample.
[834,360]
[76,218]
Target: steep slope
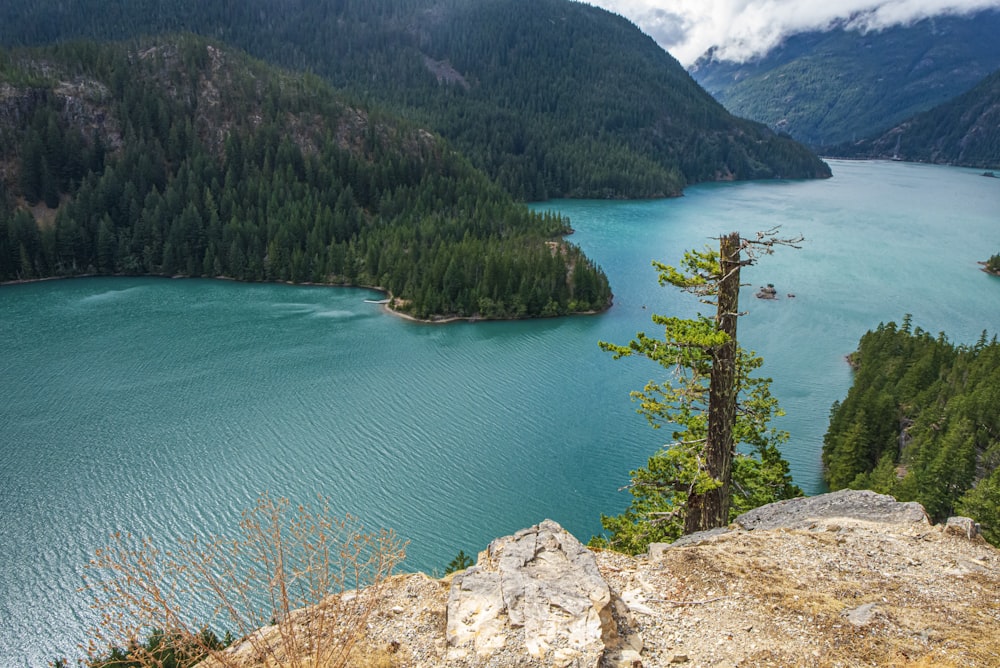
[176,156]
[964,131]
[550,97]
[589,106]
[825,88]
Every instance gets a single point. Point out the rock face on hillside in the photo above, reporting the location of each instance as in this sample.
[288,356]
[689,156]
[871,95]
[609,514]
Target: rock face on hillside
[844,579]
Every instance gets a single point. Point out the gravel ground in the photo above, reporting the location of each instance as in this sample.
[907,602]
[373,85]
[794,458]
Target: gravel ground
[844,593]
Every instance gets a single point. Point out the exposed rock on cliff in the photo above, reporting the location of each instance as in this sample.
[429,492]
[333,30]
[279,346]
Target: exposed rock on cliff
[805,512]
[844,579]
[537,596]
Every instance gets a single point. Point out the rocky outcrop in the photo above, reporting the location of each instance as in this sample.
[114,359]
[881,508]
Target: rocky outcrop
[83,104]
[767,292]
[539,596]
[808,511]
[844,579]
[804,512]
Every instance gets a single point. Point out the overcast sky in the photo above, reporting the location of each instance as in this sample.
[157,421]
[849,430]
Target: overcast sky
[744,28]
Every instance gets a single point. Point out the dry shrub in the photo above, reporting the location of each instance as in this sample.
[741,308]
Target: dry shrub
[289,588]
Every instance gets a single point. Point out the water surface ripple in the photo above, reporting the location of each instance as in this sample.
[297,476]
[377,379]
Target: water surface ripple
[164,407]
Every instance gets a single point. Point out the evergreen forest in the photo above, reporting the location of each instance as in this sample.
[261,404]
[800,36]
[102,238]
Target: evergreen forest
[963,131]
[920,422]
[550,98]
[180,157]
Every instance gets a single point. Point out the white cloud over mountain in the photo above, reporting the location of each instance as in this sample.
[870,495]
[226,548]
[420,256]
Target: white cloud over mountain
[742,29]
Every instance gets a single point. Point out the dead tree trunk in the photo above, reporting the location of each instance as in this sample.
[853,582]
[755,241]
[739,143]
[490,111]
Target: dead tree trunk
[711,509]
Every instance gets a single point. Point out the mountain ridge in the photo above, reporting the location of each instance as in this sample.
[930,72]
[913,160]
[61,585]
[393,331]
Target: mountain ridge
[561,98]
[964,131]
[840,85]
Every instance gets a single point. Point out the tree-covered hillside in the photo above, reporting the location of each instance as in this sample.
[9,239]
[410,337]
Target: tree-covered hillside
[841,85]
[550,97]
[176,156]
[921,423]
[964,131]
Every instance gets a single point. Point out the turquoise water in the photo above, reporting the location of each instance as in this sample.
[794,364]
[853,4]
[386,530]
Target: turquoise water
[163,407]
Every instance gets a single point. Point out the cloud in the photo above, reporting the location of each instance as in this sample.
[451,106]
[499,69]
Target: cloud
[742,29]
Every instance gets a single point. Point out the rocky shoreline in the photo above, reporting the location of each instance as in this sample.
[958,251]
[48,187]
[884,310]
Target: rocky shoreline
[387,303]
[985,268]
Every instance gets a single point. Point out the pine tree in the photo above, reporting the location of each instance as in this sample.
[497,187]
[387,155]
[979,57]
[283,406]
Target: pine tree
[713,402]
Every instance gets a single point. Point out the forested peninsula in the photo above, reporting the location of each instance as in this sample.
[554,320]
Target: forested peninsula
[177,156]
[173,154]
[920,423]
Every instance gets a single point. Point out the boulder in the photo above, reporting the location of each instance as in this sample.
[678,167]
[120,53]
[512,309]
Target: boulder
[536,596]
[962,526]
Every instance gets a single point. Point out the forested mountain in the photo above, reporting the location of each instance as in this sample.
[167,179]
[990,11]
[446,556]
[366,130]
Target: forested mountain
[842,85]
[964,131]
[551,98]
[920,422]
[177,156]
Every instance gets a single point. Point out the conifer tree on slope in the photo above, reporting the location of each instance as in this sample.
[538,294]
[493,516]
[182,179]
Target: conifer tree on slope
[699,480]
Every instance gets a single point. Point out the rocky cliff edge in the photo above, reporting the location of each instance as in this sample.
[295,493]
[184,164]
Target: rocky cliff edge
[845,579]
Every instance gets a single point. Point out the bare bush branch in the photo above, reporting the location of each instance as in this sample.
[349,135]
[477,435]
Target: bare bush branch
[297,587]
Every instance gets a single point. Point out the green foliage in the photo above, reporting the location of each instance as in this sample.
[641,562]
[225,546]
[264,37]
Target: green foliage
[993,264]
[982,502]
[459,563]
[663,491]
[660,490]
[920,423]
[840,85]
[54,157]
[279,181]
[550,98]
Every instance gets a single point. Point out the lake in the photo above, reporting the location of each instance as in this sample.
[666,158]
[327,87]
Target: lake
[164,407]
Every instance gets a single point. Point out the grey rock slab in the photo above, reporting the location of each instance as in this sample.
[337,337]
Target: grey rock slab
[861,615]
[803,512]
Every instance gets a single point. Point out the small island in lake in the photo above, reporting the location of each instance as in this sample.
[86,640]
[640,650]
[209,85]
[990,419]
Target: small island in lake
[992,266]
[767,292]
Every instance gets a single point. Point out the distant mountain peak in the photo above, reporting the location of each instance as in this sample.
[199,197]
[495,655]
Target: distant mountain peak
[858,76]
